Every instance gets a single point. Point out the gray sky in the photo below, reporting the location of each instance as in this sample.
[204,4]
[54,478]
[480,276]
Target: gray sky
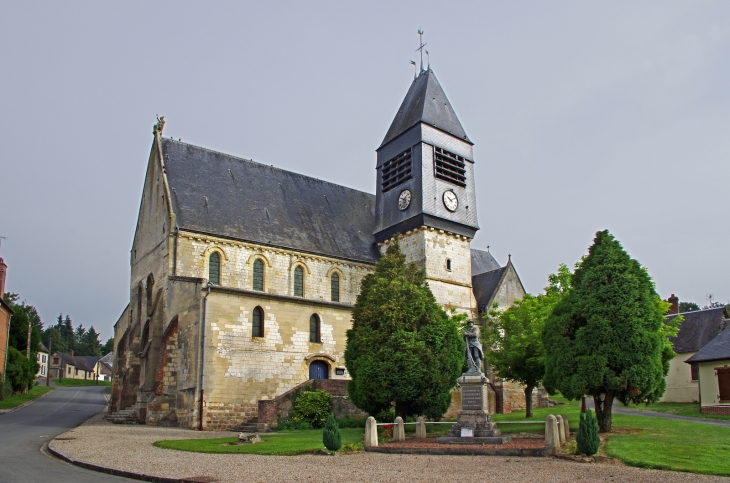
[585,116]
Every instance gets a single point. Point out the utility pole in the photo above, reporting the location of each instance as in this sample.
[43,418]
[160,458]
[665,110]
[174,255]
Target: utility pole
[27,345]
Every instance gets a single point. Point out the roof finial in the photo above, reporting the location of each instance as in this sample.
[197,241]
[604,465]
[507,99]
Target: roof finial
[157,128]
[415,72]
[487,248]
[428,58]
[421,46]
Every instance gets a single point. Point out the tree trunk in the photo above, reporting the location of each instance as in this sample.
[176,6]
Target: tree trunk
[603,404]
[528,401]
[401,409]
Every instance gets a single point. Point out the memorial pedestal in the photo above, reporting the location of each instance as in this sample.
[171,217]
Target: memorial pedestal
[474,424]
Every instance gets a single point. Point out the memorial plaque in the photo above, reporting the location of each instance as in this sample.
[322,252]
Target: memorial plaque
[467,432]
[472,398]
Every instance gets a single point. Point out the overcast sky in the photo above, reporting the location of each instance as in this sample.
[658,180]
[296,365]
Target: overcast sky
[584,115]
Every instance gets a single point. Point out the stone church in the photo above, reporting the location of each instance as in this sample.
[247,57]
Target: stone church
[243,275]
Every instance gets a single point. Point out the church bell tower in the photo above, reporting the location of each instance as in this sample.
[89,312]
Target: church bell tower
[425,191]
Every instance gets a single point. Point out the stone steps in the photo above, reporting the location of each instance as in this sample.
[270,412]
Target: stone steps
[124,416]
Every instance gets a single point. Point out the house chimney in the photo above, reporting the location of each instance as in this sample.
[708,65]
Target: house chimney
[674,300]
[3,271]
[71,352]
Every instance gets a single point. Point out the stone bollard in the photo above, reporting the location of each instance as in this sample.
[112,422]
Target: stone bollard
[561,428]
[552,438]
[421,427]
[567,427]
[399,430]
[371,432]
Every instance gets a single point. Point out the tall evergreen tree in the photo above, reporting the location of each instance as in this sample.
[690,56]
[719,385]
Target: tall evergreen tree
[89,344]
[402,347]
[606,337]
[108,346]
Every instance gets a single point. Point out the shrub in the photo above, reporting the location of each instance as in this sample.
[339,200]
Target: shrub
[587,437]
[331,436]
[20,371]
[290,425]
[350,422]
[313,407]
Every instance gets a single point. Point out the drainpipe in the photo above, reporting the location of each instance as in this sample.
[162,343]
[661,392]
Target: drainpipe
[202,358]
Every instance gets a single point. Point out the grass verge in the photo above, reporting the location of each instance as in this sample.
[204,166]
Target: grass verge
[11,402]
[284,443]
[690,410]
[80,382]
[647,442]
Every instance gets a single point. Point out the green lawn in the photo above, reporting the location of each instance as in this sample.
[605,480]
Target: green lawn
[690,410]
[647,442]
[284,443]
[13,401]
[65,382]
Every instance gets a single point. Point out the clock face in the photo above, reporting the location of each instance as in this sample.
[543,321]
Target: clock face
[451,202]
[404,200]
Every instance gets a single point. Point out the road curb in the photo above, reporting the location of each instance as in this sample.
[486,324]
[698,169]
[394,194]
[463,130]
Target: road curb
[116,472]
[6,411]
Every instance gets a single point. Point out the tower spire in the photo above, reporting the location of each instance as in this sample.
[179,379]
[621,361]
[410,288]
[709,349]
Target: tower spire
[421,46]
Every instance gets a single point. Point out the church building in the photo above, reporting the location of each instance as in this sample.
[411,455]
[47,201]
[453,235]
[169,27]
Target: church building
[244,276]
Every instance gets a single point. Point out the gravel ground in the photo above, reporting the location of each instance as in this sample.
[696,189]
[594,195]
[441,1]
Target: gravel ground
[130,448]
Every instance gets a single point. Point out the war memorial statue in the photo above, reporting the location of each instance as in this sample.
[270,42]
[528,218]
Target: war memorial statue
[474,424]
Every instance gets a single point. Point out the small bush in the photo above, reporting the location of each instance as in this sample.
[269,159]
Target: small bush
[5,388]
[290,425]
[331,436]
[587,438]
[386,416]
[313,407]
[20,371]
[349,422]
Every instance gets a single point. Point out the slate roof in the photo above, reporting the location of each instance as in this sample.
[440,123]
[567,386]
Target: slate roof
[426,102]
[698,328]
[84,363]
[481,262]
[223,195]
[717,349]
[485,284]
[109,358]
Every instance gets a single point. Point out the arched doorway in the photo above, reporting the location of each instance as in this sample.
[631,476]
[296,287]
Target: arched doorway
[319,370]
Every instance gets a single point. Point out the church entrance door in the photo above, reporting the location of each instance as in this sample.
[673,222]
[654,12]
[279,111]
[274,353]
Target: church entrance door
[319,370]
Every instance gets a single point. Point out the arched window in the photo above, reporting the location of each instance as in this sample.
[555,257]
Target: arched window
[335,287]
[140,291]
[214,268]
[298,282]
[257,325]
[150,290]
[258,275]
[314,334]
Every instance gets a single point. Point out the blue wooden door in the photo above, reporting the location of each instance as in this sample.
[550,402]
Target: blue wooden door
[319,370]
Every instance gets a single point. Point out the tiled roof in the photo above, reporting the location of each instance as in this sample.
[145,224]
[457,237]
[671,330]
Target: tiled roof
[482,262]
[698,328]
[223,195]
[426,102]
[484,286]
[717,349]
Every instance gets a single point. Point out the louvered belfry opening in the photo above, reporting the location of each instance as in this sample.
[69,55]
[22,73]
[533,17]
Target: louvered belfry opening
[214,269]
[449,167]
[258,275]
[396,170]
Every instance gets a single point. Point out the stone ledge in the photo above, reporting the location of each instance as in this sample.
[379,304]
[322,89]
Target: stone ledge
[455,451]
[474,440]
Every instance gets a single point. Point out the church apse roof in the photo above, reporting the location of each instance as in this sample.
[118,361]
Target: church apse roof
[426,102]
[223,195]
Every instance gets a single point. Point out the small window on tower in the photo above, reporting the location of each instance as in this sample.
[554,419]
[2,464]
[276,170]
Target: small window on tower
[448,264]
[396,170]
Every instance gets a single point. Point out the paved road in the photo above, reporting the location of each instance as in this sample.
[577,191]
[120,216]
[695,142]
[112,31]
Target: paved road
[23,432]
[619,408]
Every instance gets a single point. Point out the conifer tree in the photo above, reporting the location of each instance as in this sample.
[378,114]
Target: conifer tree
[606,337]
[402,347]
[587,437]
[331,436]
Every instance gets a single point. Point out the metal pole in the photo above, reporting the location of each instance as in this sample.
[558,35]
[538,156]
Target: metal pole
[27,345]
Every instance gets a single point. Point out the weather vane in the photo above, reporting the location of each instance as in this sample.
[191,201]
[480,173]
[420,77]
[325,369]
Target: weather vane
[420,48]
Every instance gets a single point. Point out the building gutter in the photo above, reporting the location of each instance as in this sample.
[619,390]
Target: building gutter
[202,359]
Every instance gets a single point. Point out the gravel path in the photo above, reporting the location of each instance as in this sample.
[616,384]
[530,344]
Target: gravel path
[130,448]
